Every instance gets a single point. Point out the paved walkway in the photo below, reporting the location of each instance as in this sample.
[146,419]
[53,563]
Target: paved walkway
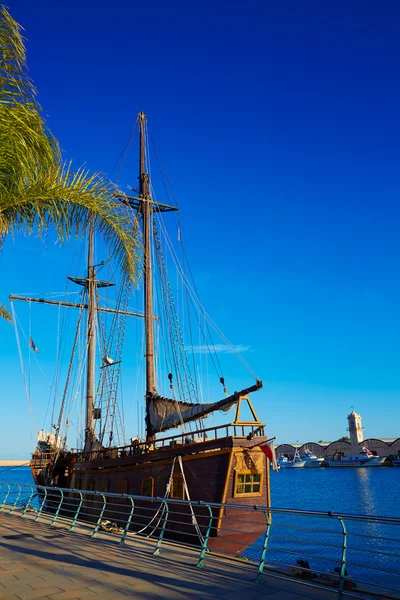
[40,562]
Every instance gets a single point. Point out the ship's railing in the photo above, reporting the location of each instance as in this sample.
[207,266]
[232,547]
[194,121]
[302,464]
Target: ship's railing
[39,457]
[204,435]
[356,556]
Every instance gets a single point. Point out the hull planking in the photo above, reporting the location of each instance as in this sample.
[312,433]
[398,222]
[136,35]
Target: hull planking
[227,470]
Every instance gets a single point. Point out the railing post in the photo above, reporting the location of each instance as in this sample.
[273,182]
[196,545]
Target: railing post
[265,547]
[125,532]
[342,576]
[27,505]
[96,529]
[17,498]
[58,507]
[43,502]
[160,537]
[6,498]
[77,511]
[205,538]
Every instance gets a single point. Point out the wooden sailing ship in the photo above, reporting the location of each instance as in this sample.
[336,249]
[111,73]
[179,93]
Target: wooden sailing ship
[222,464]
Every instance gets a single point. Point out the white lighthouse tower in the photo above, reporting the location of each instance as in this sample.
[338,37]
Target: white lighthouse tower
[355,429]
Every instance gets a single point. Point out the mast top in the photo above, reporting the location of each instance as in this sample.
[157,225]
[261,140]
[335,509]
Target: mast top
[142,116]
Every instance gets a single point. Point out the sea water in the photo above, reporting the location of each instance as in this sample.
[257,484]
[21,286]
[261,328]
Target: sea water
[362,491]
[16,475]
[351,490]
[366,491]
[373,548]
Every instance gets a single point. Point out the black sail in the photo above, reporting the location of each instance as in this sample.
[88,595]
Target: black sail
[167,413]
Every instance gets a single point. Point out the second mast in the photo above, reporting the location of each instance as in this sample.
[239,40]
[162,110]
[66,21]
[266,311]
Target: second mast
[147,211]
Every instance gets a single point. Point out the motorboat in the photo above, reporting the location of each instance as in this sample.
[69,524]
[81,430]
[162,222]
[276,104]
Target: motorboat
[291,462]
[365,458]
[311,459]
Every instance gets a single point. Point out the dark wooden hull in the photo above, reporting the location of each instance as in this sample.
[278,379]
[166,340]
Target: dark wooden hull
[210,469]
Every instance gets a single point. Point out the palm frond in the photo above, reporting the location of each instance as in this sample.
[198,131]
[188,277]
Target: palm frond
[14,81]
[26,149]
[4,314]
[70,200]
[36,189]
[16,87]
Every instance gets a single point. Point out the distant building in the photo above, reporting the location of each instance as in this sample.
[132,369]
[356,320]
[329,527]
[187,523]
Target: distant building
[345,446]
[355,429]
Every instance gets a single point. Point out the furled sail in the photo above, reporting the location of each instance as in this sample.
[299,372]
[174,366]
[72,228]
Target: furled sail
[166,413]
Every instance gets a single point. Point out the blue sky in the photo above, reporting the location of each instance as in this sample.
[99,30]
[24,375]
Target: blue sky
[278,126]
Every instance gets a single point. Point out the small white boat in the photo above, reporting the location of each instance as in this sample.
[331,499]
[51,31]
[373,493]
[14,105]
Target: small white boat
[289,463]
[364,459]
[311,459]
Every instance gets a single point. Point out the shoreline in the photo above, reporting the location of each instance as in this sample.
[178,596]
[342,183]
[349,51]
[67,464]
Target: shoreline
[13,463]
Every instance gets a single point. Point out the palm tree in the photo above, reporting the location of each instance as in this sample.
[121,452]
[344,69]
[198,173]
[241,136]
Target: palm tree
[4,314]
[36,188]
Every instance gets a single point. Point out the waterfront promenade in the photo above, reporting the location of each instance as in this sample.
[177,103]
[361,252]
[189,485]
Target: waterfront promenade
[40,562]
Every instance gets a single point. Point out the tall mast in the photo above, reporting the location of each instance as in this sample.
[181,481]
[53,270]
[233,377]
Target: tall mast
[91,338]
[147,210]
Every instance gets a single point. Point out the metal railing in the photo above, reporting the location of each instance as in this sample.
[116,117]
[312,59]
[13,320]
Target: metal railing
[356,555]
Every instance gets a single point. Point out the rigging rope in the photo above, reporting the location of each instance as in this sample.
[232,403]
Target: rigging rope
[197,302]
[192,292]
[213,355]
[167,491]
[77,383]
[167,495]
[194,520]
[78,377]
[61,414]
[14,318]
[166,180]
[56,374]
[186,388]
[15,467]
[124,153]
[28,344]
[29,353]
[107,390]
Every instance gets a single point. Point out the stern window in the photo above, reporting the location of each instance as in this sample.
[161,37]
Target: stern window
[248,484]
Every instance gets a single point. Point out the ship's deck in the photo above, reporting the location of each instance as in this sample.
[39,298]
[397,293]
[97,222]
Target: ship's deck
[109,458]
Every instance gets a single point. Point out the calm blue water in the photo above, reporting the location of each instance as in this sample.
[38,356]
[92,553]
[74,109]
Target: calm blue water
[373,549]
[16,475]
[357,491]
[371,492]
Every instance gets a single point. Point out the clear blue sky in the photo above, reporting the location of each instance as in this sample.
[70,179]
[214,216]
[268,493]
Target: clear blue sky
[278,125]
